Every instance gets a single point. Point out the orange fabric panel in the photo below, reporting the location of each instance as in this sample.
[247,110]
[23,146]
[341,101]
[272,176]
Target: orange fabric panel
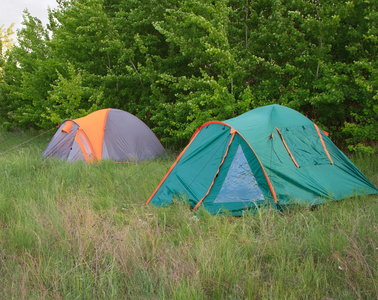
[93,155]
[94,126]
[287,148]
[324,146]
[81,145]
[67,127]
[216,175]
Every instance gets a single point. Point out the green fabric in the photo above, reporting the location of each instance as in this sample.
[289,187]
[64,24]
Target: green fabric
[256,141]
[194,172]
[305,145]
[237,206]
[317,180]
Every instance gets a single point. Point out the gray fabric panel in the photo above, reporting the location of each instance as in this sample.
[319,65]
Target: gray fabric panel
[61,143]
[80,136]
[105,153]
[127,138]
[76,153]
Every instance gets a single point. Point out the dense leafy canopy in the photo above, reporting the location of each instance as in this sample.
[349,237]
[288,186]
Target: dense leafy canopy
[176,64]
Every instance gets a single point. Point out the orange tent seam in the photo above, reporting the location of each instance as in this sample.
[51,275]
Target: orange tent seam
[262,168]
[216,174]
[287,148]
[233,131]
[87,159]
[324,146]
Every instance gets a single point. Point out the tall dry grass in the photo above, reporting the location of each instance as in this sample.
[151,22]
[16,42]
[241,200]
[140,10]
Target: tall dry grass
[77,231]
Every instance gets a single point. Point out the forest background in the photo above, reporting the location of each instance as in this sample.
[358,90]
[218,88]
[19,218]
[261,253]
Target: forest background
[177,64]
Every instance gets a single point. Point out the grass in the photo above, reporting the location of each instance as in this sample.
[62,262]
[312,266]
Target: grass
[78,231]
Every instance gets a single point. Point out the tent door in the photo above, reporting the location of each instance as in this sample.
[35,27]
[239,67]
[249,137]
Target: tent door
[240,184]
[61,143]
[85,145]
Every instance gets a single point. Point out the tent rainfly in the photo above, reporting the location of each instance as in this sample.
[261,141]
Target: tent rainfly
[269,155]
[104,134]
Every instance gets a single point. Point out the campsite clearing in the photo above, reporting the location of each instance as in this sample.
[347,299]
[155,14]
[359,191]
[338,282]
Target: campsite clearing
[77,230]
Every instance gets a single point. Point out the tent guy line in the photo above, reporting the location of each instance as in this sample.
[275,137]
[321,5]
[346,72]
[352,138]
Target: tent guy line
[25,142]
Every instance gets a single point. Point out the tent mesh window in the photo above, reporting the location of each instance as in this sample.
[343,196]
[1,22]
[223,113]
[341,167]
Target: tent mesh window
[240,184]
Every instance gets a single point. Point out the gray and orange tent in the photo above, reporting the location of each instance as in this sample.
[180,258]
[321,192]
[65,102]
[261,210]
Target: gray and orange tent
[105,134]
[269,155]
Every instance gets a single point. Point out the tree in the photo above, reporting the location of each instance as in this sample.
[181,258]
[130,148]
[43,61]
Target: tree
[177,64]
[196,83]
[64,100]
[87,39]
[6,40]
[27,74]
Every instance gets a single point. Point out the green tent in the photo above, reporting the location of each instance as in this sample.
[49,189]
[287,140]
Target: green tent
[269,155]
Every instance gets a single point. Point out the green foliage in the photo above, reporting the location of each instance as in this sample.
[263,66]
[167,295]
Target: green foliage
[65,98]
[202,89]
[26,77]
[6,41]
[362,149]
[177,64]
[363,123]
